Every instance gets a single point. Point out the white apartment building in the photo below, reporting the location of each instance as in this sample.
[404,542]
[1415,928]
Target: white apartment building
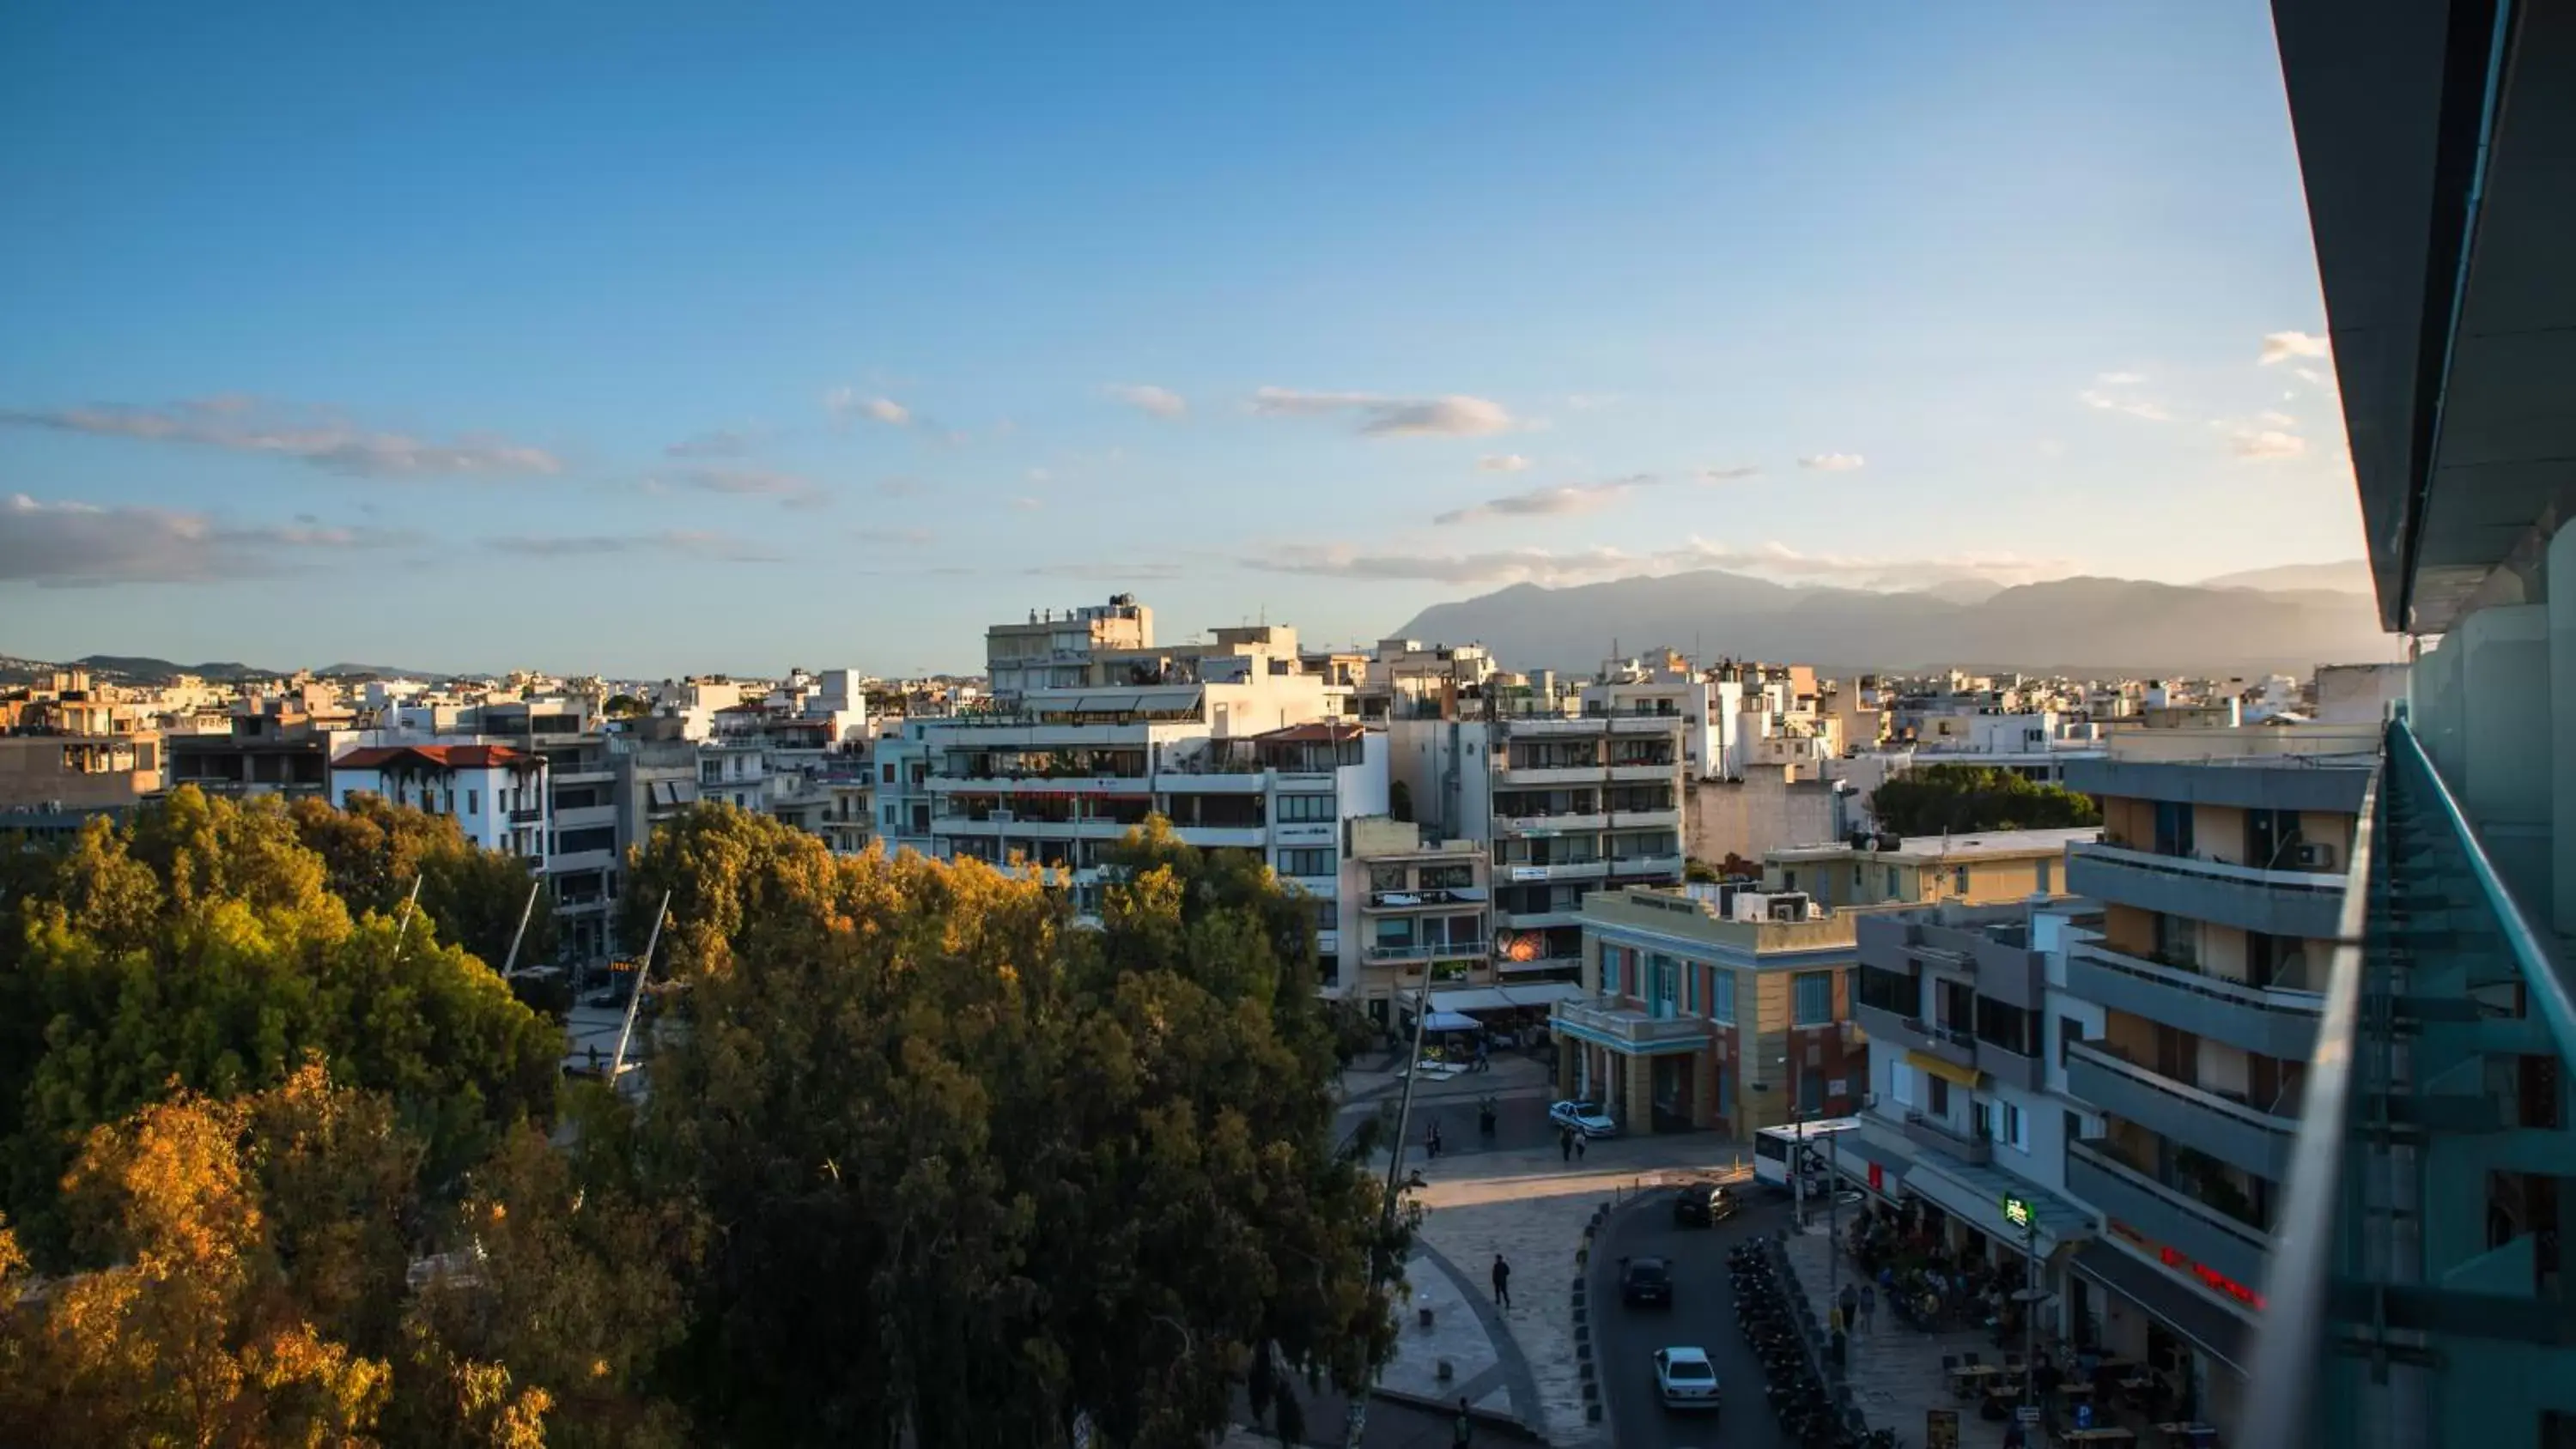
[1054,649]
[1570,795]
[1249,766]
[496,794]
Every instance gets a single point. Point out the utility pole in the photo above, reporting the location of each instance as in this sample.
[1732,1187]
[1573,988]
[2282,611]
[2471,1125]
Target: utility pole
[402,927]
[1394,1167]
[2018,1211]
[509,966]
[1833,1223]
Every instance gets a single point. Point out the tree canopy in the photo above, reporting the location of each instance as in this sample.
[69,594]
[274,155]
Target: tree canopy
[927,1157]
[1964,798]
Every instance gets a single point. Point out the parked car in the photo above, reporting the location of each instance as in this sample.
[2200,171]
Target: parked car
[1702,1205]
[1645,1281]
[1589,1118]
[1686,1378]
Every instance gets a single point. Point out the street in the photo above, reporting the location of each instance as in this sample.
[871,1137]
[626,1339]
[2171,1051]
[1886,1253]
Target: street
[1702,1316]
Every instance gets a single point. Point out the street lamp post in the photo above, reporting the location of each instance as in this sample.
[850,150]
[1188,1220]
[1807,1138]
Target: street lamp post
[2020,1214]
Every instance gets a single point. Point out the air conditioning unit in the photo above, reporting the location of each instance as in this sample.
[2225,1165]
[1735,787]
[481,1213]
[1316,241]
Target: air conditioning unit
[2317,856]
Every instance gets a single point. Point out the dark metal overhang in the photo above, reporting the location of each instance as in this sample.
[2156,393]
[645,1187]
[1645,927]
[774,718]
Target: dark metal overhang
[2438,146]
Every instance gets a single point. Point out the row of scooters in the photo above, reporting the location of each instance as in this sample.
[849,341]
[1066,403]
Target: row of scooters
[1776,1326]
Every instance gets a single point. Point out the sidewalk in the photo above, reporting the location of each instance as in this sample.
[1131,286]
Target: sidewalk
[1896,1372]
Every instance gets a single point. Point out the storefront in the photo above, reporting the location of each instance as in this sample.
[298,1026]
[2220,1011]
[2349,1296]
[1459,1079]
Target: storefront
[2146,1310]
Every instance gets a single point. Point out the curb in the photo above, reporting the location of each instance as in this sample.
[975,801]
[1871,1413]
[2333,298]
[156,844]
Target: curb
[1483,1417]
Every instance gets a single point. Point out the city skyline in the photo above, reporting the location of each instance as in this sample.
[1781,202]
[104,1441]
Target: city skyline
[634,364]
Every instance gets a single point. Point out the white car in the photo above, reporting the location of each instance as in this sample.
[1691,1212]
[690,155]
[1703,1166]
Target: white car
[1686,1378]
[1589,1118]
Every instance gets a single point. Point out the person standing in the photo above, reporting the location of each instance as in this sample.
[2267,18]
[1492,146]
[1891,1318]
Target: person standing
[1850,1304]
[1565,1143]
[1579,1140]
[1868,1308]
[1462,1433]
[1502,1281]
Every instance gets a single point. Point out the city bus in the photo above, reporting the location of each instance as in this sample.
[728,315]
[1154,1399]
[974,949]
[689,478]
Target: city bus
[1774,1147]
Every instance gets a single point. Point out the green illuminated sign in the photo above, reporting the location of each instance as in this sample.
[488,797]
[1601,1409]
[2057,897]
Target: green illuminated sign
[2017,1212]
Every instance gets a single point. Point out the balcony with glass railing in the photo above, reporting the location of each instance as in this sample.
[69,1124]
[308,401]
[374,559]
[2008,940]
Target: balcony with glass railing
[2415,1290]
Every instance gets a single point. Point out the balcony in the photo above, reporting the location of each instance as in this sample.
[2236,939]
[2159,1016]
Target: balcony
[2233,1132]
[528,815]
[2272,1021]
[1971,1148]
[1388,952]
[1639,867]
[1558,870]
[2275,902]
[1039,785]
[1643,772]
[1548,724]
[2165,1215]
[1547,826]
[1406,902]
[1607,1021]
[1645,724]
[1536,776]
[1645,820]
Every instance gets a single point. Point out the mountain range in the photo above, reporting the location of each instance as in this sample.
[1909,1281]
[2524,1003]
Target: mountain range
[143,669]
[2289,620]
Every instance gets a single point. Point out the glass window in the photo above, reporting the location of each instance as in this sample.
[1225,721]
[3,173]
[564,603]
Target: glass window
[473,802]
[2047,876]
[1304,810]
[1815,998]
[1940,1101]
[1891,883]
[1306,862]
[1610,970]
[1811,1090]
[1721,995]
[1690,988]
[1900,1083]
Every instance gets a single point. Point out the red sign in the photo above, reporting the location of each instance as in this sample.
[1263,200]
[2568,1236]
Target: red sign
[2211,1278]
[1877,1179]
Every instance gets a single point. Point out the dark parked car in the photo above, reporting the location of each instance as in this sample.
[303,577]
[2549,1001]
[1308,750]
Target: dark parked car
[1646,1280]
[1702,1205]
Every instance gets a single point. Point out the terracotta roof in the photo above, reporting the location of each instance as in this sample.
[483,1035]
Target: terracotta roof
[437,757]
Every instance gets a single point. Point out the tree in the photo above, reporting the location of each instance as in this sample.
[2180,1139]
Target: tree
[1962,799]
[625,706]
[372,851]
[201,948]
[981,1169]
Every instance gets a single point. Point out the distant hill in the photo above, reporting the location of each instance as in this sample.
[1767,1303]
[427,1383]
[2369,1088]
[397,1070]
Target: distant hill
[144,669]
[2351,576]
[2089,624]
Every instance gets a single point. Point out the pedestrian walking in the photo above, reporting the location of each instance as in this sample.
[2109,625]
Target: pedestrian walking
[1462,1433]
[1502,1281]
[1579,1140]
[1850,1305]
[1868,1308]
[1565,1143]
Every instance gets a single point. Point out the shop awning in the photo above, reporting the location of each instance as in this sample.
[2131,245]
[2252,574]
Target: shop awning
[1451,1021]
[1537,996]
[1951,1072]
[2168,1300]
[1856,1154]
[1974,1193]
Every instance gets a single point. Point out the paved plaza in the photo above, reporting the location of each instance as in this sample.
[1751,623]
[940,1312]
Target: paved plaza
[1895,1372]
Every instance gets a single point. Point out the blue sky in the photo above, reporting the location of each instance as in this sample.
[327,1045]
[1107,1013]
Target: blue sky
[655,338]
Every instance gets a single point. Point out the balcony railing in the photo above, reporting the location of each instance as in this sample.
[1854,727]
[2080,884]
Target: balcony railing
[2274,902]
[2273,1021]
[1426,951]
[1607,1016]
[2231,1131]
[1972,1148]
[2389,1322]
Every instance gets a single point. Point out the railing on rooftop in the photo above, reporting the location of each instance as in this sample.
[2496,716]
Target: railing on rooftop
[2409,1303]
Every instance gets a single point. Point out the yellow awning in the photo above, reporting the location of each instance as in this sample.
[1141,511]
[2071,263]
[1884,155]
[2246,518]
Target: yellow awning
[1951,1072]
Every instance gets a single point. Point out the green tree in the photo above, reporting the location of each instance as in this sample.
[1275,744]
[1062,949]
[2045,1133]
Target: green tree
[625,706]
[201,947]
[980,1168]
[1962,799]
[372,851]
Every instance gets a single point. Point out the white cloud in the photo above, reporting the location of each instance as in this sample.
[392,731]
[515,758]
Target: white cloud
[1546,566]
[1832,462]
[1729,475]
[1161,402]
[1547,502]
[910,537]
[2121,379]
[2282,346]
[2315,377]
[70,545]
[845,402]
[2134,407]
[1040,475]
[688,542]
[2267,445]
[1456,416]
[1502,463]
[789,490]
[722,443]
[1027,505]
[316,436]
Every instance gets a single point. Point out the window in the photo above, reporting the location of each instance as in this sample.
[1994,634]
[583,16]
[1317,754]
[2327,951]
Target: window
[1721,996]
[1788,880]
[1940,1105]
[1891,883]
[2069,1032]
[889,774]
[890,817]
[1959,881]
[1811,1090]
[473,802]
[2047,876]
[1690,988]
[1900,1083]
[1815,998]
[2013,1028]
[1306,862]
[1304,810]
[2007,1124]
